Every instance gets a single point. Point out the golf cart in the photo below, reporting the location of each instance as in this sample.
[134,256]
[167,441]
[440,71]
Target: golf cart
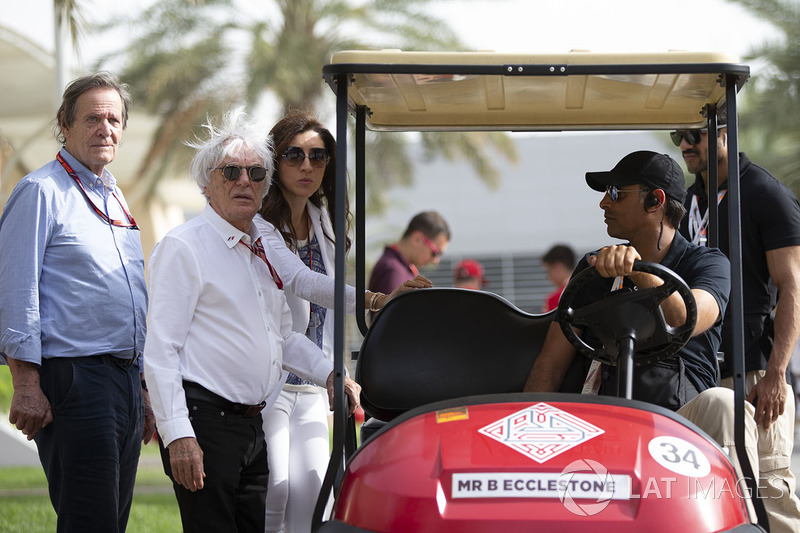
[452,444]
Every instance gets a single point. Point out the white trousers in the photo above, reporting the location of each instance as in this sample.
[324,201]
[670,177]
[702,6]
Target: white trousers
[296,431]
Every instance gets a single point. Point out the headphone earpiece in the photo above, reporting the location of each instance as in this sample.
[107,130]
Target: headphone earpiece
[651,201]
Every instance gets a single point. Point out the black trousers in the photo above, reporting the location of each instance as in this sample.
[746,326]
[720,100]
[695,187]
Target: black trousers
[91,450]
[235,462]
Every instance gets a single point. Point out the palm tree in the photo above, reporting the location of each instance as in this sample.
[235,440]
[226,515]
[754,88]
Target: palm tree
[69,22]
[189,60]
[771,110]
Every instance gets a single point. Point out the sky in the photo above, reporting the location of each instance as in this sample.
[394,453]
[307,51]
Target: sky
[535,26]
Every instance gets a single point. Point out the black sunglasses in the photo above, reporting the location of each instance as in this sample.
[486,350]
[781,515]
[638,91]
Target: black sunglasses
[317,157]
[613,191]
[692,136]
[232,172]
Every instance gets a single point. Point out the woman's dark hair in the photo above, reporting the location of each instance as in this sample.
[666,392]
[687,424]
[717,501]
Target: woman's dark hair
[274,208]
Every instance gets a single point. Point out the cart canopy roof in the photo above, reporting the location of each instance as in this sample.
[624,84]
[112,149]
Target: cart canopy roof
[534,92]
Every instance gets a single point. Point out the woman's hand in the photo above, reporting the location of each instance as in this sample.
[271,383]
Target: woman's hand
[419,282]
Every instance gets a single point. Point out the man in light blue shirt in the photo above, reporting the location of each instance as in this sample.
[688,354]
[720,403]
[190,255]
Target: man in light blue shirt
[73,306]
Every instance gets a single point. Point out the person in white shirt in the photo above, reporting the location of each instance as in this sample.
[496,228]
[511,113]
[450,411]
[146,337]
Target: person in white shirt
[220,336]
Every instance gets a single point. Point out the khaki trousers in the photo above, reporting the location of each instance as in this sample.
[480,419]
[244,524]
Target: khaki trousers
[776,481]
[712,411]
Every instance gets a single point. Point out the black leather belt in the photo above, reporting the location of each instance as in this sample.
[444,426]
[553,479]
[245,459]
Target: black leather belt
[119,360]
[202,394]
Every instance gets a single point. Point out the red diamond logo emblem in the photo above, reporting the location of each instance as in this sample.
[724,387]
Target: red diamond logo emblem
[541,431]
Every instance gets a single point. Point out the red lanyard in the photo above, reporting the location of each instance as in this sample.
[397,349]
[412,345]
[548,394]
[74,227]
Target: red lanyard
[106,218]
[258,249]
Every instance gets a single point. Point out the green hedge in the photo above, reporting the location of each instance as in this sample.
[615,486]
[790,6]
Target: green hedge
[5,389]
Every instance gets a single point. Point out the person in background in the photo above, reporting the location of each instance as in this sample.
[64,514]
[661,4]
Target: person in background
[221,336]
[423,242]
[301,203]
[559,261]
[468,274]
[770,217]
[73,304]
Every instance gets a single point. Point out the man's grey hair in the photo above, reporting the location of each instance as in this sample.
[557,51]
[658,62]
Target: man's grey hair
[65,116]
[235,133]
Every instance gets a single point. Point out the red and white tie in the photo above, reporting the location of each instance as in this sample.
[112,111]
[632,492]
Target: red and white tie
[258,249]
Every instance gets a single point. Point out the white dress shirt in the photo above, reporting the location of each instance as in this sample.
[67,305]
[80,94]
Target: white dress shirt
[218,319]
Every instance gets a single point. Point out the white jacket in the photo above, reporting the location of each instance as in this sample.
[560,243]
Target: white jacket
[300,284]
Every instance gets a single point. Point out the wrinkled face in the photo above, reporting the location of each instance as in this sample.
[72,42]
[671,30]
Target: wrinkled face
[301,181]
[237,201]
[94,136]
[626,215]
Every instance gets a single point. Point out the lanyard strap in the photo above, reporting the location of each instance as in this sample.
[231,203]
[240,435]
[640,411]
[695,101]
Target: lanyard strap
[698,226]
[591,385]
[108,220]
[258,249]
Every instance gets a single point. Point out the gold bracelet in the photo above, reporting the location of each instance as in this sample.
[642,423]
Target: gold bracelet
[373,301]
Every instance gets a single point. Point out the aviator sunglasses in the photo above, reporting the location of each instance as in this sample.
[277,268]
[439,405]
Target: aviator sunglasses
[613,192]
[232,172]
[692,136]
[317,157]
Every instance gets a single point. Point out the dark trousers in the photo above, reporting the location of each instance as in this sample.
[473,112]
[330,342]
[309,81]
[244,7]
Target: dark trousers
[91,449]
[235,462]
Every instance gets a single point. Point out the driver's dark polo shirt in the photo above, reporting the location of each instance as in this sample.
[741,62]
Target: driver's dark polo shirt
[676,380]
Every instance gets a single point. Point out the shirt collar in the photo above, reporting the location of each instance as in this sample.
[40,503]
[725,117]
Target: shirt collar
[675,252]
[226,231]
[89,178]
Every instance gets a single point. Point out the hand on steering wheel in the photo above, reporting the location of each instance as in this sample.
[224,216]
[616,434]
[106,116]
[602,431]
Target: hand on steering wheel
[634,314]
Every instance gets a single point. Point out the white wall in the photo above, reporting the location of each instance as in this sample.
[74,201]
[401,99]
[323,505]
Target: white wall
[542,200]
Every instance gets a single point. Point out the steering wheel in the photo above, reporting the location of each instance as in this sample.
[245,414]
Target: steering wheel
[628,313]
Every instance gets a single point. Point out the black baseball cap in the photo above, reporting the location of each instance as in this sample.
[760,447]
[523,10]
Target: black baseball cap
[658,171]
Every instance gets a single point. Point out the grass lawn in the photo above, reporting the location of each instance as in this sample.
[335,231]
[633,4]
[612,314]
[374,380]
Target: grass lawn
[25,506]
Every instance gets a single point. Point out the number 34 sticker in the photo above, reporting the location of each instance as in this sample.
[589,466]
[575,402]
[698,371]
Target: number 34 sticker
[680,456]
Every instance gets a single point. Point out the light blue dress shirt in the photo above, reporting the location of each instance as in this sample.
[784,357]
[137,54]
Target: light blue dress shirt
[71,285]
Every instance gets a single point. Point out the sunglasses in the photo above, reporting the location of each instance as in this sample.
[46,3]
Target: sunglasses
[232,172]
[433,248]
[691,136]
[317,157]
[613,192]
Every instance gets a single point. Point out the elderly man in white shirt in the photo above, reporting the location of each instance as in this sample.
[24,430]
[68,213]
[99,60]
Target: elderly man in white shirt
[220,335]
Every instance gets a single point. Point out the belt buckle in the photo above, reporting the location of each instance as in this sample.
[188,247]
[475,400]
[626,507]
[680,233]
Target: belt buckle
[128,362]
[253,410]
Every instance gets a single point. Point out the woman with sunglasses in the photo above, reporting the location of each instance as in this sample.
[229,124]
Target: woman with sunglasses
[296,223]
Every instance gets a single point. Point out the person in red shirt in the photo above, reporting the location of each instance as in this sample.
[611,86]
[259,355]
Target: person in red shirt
[468,274]
[559,262]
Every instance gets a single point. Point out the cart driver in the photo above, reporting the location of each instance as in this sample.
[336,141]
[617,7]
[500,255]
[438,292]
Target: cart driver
[643,204]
